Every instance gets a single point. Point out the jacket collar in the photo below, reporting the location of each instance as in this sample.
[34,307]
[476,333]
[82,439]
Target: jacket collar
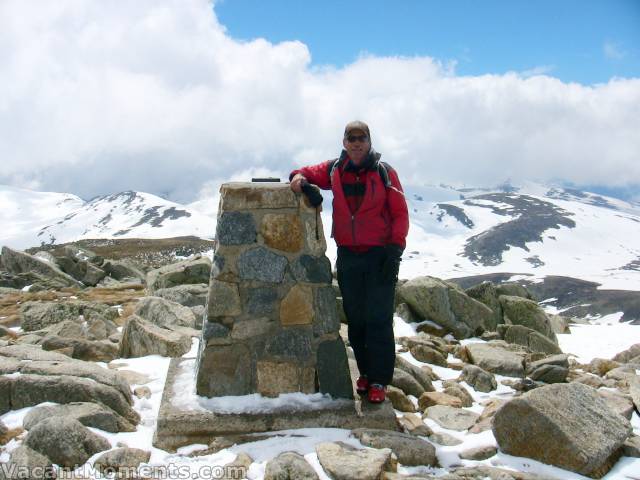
[370,162]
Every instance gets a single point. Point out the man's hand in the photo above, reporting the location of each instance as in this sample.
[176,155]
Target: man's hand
[391,265]
[296,182]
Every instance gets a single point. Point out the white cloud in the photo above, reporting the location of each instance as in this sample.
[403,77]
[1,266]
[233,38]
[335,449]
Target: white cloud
[100,96]
[612,51]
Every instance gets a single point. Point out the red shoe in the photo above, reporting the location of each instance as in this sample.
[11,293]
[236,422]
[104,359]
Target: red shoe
[377,393]
[362,385]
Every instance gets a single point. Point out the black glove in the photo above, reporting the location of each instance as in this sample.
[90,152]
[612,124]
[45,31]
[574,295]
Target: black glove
[312,193]
[391,265]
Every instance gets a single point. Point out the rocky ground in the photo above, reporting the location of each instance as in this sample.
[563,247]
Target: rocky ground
[482,388]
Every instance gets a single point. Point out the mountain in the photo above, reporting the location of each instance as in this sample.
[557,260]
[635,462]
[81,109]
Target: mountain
[531,229]
[30,218]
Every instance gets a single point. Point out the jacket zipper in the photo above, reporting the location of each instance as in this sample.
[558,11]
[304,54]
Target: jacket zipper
[353,216]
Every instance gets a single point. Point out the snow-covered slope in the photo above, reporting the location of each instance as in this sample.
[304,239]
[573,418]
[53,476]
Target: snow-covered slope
[28,219]
[454,232]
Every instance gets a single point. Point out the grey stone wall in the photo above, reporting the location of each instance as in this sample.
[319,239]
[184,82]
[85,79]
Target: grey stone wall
[271,321]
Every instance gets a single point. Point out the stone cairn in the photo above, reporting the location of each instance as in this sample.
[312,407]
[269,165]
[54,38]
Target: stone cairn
[271,325]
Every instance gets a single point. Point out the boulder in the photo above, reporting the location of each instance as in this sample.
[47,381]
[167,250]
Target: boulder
[634,392]
[141,338]
[626,355]
[123,270]
[429,399]
[445,304]
[631,447]
[452,418]
[27,463]
[559,324]
[16,262]
[89,414]
[410,451]
[453,388]
[520,311]
[38,315]
[289,466]
[478,378]
[443,438]
[192,295]
[529,338]
[514,289]
[165,313]
[618,402]
[399,400]
[406,383]
[81,349]
[479,453]
[550,374]
[196,270]
[494,357]
[421,375]
[344,462]
[82,264]
[485,420]
[31,353]
[121,461]
[426,354]
[566,425]
[486,293]
[414,425]
[65,441]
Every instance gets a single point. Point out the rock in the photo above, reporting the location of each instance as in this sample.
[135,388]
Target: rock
[420,374]
[414,425]
[561,360]
[282,231]
[123,270]
[141,338]
[406,383]
[296,308]
[478,378]
[621,374]
[261,264]
[426,354]
[479,453]
[520,311]
[550,374]
[236,228]
[237,468]
[483,472]
[333,369]
[28,390]
[82,270]
[38,315]
[260,301]
[409,450]
[327,319]
[590,380]
[192,295]
[399,400]
[626,355]
[224,300]
[486,293]
[164,313]
[223,371]
[121,461]
[566,425]
[445,304]
[532,340]
[559,324]
[634,392]
[454,389]
[88,414]
[429,399]
[485,420]
[289,466]
[631,447]
[405,313]
[90,351]
[65,441]
[600,366]
[142,392]
[312,269]
[452,418]
[443,438]
[30,352]
[495,358]
[344,462]
[618,402]
[514,290]
[16,262]
[27,463]
[196,270]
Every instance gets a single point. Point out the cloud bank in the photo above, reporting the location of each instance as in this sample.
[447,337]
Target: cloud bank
[100,96]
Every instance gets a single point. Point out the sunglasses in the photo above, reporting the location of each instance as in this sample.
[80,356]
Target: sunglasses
[357,138]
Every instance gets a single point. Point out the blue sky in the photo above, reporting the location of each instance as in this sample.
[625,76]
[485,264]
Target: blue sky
[585,41]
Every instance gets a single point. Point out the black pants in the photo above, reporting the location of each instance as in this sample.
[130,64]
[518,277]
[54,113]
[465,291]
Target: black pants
[368,305]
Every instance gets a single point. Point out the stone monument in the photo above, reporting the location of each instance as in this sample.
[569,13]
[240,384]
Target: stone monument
[272,325]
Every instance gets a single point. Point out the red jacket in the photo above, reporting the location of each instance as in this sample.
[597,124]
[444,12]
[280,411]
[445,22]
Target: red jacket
[382,217]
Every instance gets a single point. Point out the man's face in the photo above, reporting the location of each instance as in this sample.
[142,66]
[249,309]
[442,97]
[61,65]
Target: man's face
[357,145]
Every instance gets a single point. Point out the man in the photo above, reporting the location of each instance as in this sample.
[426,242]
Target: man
[370,225]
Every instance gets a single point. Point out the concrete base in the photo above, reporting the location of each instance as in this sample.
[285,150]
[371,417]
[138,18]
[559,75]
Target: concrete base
[178,427]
